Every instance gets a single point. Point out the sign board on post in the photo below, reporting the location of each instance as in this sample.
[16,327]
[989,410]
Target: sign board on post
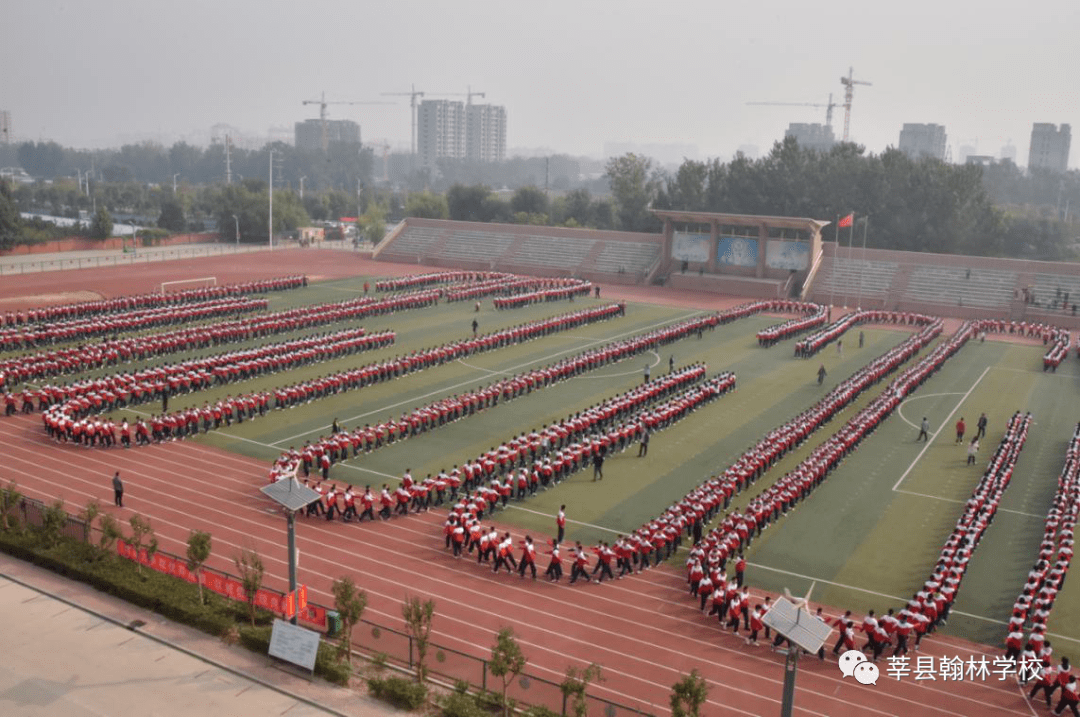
[294,644]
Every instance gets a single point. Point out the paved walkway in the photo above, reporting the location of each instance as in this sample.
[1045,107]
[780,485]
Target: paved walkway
[68,650]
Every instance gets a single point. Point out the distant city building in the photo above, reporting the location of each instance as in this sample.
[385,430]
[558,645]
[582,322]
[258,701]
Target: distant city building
[309,133]
[440,130]
[5,127]
[1008,152]
[1049,147]
[812,135]
[982,159]
[485,133]
[923,140]
[966,150]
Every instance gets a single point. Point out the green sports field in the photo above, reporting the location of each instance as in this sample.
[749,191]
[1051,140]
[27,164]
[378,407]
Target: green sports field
[866,538]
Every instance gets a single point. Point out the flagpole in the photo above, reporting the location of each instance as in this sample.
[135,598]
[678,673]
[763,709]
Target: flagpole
[862,274]
[851,238]
[836,263]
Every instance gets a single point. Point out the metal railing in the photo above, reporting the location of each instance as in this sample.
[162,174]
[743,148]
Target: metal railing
[142,256]
[397,648]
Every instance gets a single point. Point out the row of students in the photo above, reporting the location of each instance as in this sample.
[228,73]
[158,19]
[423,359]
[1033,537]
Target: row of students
[810,345]
[134,302]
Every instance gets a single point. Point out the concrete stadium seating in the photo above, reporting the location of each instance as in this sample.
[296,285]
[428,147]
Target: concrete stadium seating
[844,277]
[951,285]
[629,257]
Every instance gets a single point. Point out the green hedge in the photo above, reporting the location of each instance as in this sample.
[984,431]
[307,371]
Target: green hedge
[399,691]
[170,597]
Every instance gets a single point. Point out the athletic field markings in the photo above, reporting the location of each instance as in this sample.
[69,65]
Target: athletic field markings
[454,387]
[892,597]
[940,428]
[954,500]
[900,409]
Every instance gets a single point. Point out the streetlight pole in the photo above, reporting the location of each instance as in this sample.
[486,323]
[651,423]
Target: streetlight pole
[134,238]
[302,187]
[271,217]
[237,221]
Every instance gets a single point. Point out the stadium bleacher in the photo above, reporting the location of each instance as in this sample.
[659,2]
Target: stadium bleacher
[548,251]
[625,257]
[961,286]
[845,276]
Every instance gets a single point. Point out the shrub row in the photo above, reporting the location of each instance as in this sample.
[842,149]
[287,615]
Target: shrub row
[170,597]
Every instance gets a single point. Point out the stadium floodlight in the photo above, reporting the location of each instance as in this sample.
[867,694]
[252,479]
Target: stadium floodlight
[292,497]
[792,619]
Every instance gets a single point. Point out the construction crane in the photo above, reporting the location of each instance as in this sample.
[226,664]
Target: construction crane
[385,147]
[828,110]
[413,94]
[849,90]
[322,111]
[469,95]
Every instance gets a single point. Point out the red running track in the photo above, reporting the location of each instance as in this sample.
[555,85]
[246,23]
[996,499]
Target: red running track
[643,630]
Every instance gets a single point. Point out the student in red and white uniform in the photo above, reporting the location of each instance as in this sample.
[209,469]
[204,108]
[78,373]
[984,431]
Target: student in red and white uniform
[554,570]
[528,557]
[581,562]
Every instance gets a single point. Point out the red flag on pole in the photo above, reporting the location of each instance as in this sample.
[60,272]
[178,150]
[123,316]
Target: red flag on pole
[847,221]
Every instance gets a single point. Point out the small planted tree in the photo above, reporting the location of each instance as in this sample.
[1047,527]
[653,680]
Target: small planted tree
[53,520]
[10,497]
[576,684]
[89,515]
[198,552]
[142,536]
[350,604]
[507,662]
[688,695]
[110,533]
[250,567]
[418,616]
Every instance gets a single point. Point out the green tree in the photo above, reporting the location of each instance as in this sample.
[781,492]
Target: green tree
[101,224]
[576,207]
[89,514]
[110,533]
[688,695]
[418,616]
[250,567]
[10,221]
[507,662]
[529,200]
[142,536]
[372,223]
[350,604]
[172,216]
[10,499]
[425,205]
[466,203]
[576,684]
[634,186]
[198,552]
[53,521]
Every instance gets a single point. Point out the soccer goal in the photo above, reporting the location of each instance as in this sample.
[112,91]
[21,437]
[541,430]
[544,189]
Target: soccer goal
[182,284]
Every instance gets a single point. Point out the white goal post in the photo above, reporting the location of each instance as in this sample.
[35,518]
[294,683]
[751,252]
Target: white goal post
[181,284]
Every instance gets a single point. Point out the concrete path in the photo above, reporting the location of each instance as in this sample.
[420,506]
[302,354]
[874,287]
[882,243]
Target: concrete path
[68,650]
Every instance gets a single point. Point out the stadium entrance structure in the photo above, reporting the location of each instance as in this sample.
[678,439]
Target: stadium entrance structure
[747,255]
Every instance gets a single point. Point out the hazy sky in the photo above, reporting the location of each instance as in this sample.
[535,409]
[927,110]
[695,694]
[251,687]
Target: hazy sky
[571,75]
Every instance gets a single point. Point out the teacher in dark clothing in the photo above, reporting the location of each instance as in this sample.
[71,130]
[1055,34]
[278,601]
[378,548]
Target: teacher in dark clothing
[118,490]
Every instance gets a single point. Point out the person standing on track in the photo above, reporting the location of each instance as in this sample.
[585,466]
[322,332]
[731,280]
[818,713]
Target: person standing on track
[118,490]
[560,523]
